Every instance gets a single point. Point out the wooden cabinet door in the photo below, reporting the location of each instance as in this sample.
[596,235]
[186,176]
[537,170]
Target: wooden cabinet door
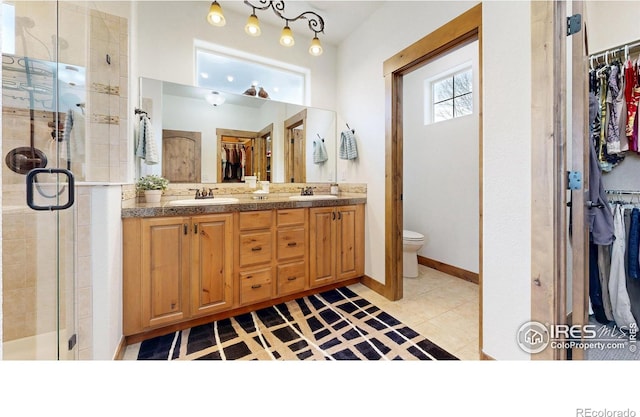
[349,242]
[322,252]
[212,263]
[165,271]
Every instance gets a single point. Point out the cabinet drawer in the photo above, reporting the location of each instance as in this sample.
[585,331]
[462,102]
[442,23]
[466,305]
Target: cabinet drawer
[291,217]
[251,220]
[291,278]
[255,248]
[291,243]
[255,285]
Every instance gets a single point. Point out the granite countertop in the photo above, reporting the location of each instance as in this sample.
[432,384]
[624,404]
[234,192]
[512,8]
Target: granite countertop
[131,208]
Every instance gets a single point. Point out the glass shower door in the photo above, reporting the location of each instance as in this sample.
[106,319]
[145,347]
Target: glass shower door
[38,215]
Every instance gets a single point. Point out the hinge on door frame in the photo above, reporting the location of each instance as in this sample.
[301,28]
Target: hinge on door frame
[574,180]
[72,341]
[574,24]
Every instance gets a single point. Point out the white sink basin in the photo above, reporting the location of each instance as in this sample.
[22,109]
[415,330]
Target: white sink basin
[204,201]
[312,197]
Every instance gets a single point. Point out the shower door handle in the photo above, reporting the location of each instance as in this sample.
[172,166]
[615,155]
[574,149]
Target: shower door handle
[69,187]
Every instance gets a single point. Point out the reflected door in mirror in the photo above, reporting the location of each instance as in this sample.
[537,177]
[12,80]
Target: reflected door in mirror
[181,156]
[294,148]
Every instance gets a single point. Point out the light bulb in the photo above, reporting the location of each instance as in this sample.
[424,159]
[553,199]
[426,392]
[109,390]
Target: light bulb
[315,49]
[286,37]
[215,16]
[253,26]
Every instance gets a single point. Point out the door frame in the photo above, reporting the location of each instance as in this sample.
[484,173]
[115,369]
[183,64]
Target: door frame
[298,119]
[461,30]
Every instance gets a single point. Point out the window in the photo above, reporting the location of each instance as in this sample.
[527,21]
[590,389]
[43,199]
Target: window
[8,28]
[452,96]
[232,71]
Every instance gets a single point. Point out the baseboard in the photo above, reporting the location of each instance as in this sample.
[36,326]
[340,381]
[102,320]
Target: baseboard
[122,346]
[451,270]
[375,285]
[485,357]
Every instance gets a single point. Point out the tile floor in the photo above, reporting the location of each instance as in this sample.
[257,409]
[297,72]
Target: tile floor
[442,308]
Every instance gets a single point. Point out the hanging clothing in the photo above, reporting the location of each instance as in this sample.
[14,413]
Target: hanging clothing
[74,135]
[604,268]
[348,148]
[146,148]
[595,289]
[615,100]
[600,218]
[620,302]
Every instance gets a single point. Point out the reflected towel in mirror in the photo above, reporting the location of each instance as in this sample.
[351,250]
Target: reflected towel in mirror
[319,152]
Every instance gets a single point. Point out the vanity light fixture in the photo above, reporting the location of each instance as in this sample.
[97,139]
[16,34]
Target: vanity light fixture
[215,99]
[215,16]
[316,22]
[253,26]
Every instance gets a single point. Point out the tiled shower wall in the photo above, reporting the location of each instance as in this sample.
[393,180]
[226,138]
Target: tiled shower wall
[98,42]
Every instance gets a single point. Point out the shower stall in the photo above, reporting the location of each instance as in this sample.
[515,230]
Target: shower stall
[41,94]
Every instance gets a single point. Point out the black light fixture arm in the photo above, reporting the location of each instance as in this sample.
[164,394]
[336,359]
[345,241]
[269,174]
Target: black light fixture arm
[316,22]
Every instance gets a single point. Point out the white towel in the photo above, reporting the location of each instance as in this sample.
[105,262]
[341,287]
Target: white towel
[348,148]
[146,144]
[319,152]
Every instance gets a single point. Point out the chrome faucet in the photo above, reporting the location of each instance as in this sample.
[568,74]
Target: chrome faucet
[306,190]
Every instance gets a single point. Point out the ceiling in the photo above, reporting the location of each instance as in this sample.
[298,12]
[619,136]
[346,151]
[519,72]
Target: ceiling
[340,17]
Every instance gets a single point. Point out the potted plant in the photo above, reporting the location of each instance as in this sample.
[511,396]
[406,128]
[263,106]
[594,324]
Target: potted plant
[153,186]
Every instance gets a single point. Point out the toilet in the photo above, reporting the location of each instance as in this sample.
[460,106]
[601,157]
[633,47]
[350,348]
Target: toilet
[411,244]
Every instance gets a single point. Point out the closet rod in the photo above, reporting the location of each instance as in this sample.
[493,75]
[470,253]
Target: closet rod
[621,48]
[623,192]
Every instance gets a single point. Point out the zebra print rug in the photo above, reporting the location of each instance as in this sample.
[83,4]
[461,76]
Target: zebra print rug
[332,325]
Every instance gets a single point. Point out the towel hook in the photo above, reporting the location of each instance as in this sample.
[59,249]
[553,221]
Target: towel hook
[352,131]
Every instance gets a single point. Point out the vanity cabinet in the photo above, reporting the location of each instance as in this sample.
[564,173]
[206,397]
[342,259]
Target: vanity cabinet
[255,256]
[164,279]
[291,238]
[185,268]
[176,268]
[336,244]
[211,264]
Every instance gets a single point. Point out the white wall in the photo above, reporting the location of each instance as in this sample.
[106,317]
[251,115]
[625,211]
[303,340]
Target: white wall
[165,44]
[106,270]
[440,161]
[506,140]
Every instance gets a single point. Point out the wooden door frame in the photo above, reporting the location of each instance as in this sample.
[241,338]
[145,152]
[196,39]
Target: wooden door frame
[580,161]
[463,29]
[233,133]
[549,168]
[298,119]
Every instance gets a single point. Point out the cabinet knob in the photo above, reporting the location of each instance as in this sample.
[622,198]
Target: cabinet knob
[292,278]
[256,286]
[292,244]
[256,249]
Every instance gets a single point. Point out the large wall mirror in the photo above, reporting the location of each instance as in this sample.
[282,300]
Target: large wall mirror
[244,135]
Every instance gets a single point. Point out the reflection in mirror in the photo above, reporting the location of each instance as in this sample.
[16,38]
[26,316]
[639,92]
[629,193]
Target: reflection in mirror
[242,136]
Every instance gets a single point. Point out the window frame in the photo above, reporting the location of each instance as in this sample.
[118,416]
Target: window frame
[206,47]
[429,88]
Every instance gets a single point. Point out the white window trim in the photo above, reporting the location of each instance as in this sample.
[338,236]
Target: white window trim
[200,45]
